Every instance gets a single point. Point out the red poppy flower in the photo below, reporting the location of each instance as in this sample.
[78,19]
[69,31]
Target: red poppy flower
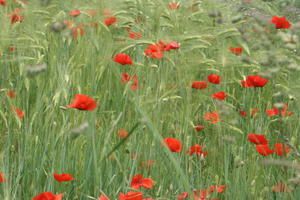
[15,16]
[103,197]
[48,196]
[174,5]
[257,138]
[19,112]
[11,94]
[281,149]
[123,59]
[272,112]
[197,149]
[214,79]
[139,181]
[2,179]
[280,22]
[134,35]
[171,46]
[131,196]
[199,128]
[199,85]
[217,188]
[135,83]
[63,177]
[154,51]
[284,112]
[219,95]
[74,13]
[254,81]
[173,144]
[125,78]
[236,50]
[264,150]
[212,117]
[3,2]
[108,21]
[122,133]
[77,31]
[182,196]
[83,102]
[243,113]
[200,194]
[11,49]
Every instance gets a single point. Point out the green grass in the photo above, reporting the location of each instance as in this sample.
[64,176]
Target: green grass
[165,105]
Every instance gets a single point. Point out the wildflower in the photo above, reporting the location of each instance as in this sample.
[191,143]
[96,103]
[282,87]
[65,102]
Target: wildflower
[108,21]
[182,196]
[103,197]
[135,83]
[19,112]
[219,95]
[77,31]
[199,128]
[257,138]
[2,2]
[212,117]
[199,85]
[173,144]
[15,16]
[48,196]
[74,13]
[217,188]
[123,59]
[63,177]
[272,112]
[122,133]
[284,111]
[254,81]
[131,196]
[2,179]
[281,149]
[154,51]
[134,35]
[11,94]
[264,150]
[83,102]
[139,181]
[171,46]
[236,50]
[243,113]
[125,78]
[174,5]
[214,79]
[197,149]
[280,22]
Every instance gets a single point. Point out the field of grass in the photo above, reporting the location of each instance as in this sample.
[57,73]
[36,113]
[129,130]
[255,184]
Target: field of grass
[200,97]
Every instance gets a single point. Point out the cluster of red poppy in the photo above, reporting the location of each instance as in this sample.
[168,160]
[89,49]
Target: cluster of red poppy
[203,194]
[175,146]
[48,195]
[262,145]
[283,112]
[156,51]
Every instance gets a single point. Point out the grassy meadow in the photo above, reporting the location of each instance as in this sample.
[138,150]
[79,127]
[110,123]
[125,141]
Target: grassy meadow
[162,76]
